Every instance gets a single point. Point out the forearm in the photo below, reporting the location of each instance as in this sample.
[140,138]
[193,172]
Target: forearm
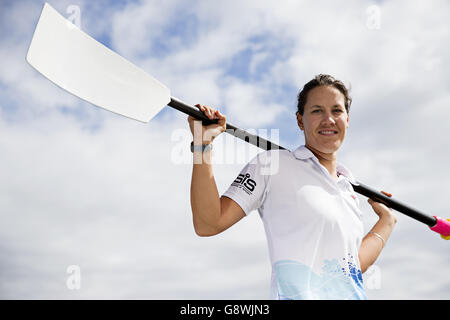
[205,199]
[371,245]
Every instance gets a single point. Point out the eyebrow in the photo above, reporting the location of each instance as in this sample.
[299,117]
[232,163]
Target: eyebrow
[318,106]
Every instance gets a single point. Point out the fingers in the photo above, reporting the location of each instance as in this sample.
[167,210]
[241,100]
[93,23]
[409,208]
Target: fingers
[210,112]
[222,119]
[386,193]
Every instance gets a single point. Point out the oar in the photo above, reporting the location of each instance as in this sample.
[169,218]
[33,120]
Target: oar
[84,67]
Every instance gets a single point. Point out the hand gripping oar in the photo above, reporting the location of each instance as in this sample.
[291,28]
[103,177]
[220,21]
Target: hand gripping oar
[89,70]
[435,223]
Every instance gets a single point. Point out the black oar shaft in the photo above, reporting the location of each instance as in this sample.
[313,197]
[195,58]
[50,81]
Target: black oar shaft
[394,204]
[267,145]
[233,130]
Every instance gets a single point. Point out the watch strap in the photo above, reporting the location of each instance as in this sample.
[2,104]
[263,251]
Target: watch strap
[200,148]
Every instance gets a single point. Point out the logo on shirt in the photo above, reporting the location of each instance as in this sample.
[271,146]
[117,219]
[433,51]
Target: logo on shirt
[244,182]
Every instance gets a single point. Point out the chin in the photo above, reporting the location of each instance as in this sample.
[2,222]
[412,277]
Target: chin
[331,147]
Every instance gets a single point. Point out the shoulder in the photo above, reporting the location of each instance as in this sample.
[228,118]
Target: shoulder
[268,155]
[272,162]
[272,157]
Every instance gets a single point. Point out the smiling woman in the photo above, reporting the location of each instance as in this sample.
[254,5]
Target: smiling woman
[310,211]
[324,118]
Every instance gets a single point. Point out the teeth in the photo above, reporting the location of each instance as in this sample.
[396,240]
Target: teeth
[327,132]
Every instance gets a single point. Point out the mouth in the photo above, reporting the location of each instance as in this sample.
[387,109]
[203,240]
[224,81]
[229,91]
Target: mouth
[328,132]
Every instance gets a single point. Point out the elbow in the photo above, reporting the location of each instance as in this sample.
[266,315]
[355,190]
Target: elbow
[363,263]
[363,269]
[206,231]
[204,234]
[204,228]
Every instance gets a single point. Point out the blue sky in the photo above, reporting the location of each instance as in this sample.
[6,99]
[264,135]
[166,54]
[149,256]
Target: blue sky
[81,186]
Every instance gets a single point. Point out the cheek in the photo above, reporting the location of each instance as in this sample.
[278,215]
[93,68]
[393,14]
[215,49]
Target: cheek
[311,123]
[343,122]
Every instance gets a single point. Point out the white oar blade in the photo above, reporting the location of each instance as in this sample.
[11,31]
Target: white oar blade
[86,68]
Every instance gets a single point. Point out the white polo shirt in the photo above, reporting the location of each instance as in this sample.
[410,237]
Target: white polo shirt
[312,223]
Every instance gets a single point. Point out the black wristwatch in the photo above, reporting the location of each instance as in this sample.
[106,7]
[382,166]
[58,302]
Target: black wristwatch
[202,148]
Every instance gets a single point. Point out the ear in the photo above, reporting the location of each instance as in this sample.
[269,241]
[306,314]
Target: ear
[300,121]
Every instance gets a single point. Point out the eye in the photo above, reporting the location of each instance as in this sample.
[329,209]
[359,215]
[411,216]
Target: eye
[338,110]
[316,110]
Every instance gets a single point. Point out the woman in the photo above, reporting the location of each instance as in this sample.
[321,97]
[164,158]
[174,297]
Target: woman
[310,211]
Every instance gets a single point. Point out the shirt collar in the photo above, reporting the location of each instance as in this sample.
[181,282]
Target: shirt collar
[303,153]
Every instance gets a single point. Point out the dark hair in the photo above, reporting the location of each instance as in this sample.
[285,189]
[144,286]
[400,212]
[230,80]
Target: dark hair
[322,80]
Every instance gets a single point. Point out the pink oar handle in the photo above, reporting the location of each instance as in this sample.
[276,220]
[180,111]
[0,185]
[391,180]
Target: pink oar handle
[442,227]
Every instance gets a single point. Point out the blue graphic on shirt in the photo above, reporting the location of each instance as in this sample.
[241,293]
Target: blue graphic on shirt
[296,281]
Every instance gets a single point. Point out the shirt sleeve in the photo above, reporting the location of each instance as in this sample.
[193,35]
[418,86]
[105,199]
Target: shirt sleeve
[250,187]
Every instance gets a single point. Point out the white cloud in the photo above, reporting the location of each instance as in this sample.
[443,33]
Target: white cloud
[250,104]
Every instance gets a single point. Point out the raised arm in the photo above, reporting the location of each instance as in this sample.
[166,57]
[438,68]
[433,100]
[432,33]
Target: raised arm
[211,214]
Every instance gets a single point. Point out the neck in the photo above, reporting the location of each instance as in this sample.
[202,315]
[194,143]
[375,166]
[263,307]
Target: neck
[328,160]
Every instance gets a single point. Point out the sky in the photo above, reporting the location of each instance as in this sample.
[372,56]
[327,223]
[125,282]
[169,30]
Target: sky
[87,190]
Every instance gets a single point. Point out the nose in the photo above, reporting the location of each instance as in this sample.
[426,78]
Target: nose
[328,118]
